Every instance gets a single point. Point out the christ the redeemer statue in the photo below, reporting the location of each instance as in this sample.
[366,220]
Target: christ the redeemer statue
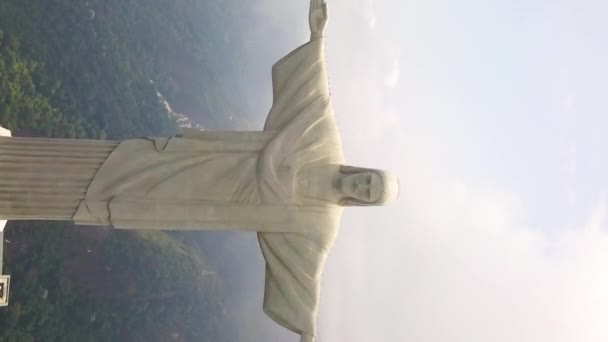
[289,182]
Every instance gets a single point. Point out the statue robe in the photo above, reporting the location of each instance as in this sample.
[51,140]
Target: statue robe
[206,180]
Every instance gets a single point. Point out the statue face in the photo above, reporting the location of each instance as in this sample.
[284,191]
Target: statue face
[363,186]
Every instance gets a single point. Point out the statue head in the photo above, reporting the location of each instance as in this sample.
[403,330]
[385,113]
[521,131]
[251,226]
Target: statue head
[366,187]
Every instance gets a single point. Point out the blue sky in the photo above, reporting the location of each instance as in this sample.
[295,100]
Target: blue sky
[511,92]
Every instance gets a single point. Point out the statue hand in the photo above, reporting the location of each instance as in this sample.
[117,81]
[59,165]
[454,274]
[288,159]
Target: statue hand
[318,18]
[307,338]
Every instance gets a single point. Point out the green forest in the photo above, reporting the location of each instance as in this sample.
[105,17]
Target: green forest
[92,69]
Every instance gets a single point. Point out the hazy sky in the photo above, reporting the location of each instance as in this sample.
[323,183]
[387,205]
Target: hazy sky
[493,115]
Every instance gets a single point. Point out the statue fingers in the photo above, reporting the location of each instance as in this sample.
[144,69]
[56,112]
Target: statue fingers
[314,8]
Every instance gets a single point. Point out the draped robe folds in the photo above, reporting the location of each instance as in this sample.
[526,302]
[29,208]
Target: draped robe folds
[241,180]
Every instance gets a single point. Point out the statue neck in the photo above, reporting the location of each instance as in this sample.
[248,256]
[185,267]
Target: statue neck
[319,183]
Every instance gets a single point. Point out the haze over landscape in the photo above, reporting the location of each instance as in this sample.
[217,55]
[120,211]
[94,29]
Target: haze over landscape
[492,114]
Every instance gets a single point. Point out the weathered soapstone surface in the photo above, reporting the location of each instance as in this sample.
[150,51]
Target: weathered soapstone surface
[289,182]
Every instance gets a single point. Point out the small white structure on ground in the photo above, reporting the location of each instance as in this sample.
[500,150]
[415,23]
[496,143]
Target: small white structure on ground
[4,279]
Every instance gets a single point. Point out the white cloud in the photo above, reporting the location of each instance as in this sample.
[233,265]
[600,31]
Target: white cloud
[597,218]
[373,20]
[456,262]
[392,79]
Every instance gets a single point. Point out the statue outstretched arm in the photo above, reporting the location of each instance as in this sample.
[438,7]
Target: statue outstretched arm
[298,79]
[294,264]
[318,18]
